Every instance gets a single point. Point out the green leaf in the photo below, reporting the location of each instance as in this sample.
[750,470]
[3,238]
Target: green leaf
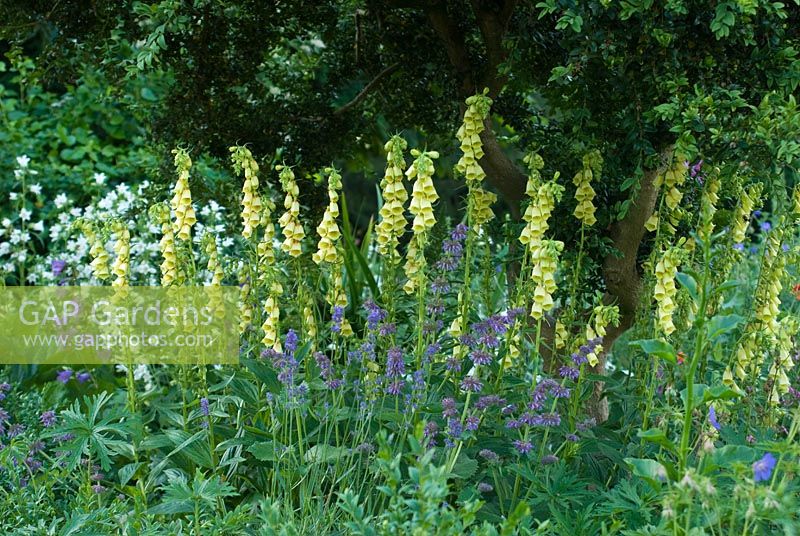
[689,283]
[657,436]
[266,451]
[658,348]
[699,394]
[650,470]
[326,453]
[464,467]
[721,324]
[719,392]
[126,472]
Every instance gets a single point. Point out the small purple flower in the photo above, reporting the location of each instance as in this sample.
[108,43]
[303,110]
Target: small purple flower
[523,447]
[15,429]
[481,358]
[489,455]
[712,417]
[762,469]
[337,318]
[738,246]
[64,376]
[291,341]
[375,315]
[449,407]
[395,388]
[572,437]
[757,213]
[455,428]
[472,423]
[549,459]
[485,487]
[57,266]
[459,232]
[513,424]
[452,364]
[569,372]
[5,387]
[48,418]
[766,226]
[83,377]
[204,409]
[98,488]
[395,365]
[429,433]
[472,384]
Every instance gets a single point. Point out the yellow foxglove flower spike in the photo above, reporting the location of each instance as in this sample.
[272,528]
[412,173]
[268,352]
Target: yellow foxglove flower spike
[181,202]
[708,205]
[392,223]
[423,196]
[665,289]
[584,193]
[160,215]
[265,248]
[469,136]
[272,317]
[328,229]
[244,163]
[741,216]
[122,250]
[293,231]
[544,259]
[97,250]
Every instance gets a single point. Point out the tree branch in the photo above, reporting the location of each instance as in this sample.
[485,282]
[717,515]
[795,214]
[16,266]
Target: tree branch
[621,273]
[367,89]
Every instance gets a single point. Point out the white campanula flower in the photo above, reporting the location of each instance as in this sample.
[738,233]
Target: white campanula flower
[21,255]
[38,226]
[100,178]
[4,248]
[60,201]
[23,161]
[13,196]
[6,222]
[25,214]
[16,236]
[8,267]
[227,242]
[36,189]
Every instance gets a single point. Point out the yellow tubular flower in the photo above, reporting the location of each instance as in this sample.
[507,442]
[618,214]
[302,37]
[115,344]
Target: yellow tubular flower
[246,308]
[293,231]
[796,202]
[244,163]
[392,223]
[665,289]
[469,134]
[122,249]
[544,258]
[544,196]
[328,230]
[309,322]
[561,335]
[482,202]
[604,316]
[674,177]
[272,316]
[741,216]
[708,206]
[423,196]
[97,250]
[169,263]
[265,248]
[584,194]
[181,202]
[783,363]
